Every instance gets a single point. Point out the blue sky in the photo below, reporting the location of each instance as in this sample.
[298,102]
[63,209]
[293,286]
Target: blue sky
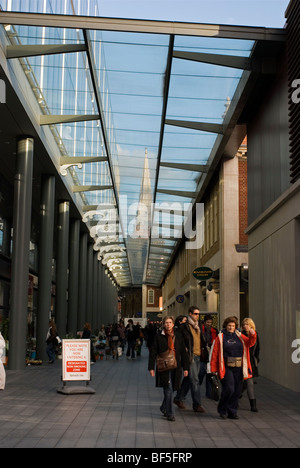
[269,13]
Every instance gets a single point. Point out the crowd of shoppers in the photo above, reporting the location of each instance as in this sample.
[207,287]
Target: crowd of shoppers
[230,355]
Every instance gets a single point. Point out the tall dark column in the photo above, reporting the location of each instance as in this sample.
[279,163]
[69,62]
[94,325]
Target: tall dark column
[62,268]
[73,278]
[95,291]
[47,208]
[99,305]
[89,287]
[82,287]
[20,256]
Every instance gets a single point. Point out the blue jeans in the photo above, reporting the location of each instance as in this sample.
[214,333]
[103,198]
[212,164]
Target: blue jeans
[51,351]
[167,404]
[196,374]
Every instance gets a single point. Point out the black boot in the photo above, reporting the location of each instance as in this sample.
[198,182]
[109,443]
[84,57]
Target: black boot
[253,406]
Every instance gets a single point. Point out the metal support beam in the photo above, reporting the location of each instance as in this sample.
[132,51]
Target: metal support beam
[81,159]
[90,188]
[143,26]
[177,193]
[61,119]
[20,51]
[258,65]
[186,167]
[201,126]
[231,61]
[101,207]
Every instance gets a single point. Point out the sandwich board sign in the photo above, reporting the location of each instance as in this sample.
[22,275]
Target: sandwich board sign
[76,360]
[76,365]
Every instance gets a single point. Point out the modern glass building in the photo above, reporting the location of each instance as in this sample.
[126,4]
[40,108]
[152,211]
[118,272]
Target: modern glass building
[121,127]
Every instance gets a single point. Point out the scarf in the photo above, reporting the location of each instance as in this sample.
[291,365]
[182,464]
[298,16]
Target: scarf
[171,337]
[193,324]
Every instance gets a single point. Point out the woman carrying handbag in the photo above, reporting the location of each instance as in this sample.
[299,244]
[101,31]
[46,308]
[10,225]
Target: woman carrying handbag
[169,345]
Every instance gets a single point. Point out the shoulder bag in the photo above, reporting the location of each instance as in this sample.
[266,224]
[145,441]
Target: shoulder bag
[166,361]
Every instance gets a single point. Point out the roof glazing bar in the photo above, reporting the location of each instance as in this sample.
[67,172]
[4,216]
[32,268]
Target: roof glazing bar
[177,193]
[143,26]
[202,126]
[89,188]
[21,51]
[61,119]
[186,167]
[232,61]
[81,159]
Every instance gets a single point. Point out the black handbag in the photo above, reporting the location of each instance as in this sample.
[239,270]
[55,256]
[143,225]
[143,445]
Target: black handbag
[215,387]
[166,361]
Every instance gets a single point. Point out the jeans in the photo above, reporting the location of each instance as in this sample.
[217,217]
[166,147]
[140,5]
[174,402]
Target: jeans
[130,348]
[231,391]
[196,374]
[51,351]
[167,404]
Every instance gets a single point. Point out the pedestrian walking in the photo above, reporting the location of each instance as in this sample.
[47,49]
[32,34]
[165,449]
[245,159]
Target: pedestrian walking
[51,340]
[248,324]
[194,341]
[168,339]
[230,359]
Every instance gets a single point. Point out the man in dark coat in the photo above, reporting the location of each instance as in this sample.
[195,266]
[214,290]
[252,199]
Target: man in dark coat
[196,345]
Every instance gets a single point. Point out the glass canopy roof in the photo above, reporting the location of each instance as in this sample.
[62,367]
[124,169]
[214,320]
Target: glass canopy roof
[137,117]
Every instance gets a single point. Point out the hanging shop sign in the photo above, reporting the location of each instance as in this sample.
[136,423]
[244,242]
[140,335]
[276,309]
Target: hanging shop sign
[76,360]
[203,273]
[180,299]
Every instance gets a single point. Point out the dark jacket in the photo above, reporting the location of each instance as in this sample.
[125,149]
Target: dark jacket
[160,345]
[189,342]
[132,333]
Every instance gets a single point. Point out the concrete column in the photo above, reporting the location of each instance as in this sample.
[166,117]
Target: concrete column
[62,268]
[95,290]
[73,278]
[89,287]
[47,208]
[20,256]
[231,259]
[99,305]
[82,286]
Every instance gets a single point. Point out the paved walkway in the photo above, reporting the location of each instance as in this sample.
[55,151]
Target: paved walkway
[124,413]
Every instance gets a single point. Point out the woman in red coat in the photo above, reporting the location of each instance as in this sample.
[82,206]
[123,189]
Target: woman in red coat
[230,359]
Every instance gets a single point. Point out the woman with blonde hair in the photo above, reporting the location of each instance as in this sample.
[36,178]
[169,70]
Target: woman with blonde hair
[247,325]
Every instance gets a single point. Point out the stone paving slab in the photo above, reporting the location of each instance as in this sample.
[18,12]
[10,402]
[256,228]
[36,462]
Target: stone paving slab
[124,413]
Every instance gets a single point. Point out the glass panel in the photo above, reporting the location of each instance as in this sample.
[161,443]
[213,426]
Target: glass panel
[130,72]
